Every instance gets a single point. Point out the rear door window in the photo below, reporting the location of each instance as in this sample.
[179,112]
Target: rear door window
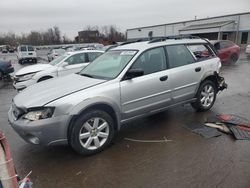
[179,55]
[76,59]
[93,55]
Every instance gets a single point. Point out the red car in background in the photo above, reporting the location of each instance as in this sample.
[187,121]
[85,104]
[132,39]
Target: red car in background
[227,50]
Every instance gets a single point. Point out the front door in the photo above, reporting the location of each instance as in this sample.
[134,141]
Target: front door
[149,92]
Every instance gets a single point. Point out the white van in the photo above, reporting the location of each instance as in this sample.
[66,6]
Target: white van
[26,53]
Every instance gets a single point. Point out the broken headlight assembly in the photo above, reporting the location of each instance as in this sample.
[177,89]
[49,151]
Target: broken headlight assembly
[39,113]
[26,77]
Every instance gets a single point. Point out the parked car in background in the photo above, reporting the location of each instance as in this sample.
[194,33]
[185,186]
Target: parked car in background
[70,62]
[11,50]
[26,53]
[5,68]
[248,51]
[55,53]
[130,81]
[4,50]
[227,50]
[109,47]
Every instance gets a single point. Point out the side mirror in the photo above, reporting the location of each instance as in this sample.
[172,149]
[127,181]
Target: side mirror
[132,73]
[64,64]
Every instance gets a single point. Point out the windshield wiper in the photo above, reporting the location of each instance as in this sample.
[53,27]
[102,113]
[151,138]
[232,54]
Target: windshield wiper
[87,75]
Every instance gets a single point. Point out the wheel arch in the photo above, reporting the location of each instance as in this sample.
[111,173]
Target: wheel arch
[111,110]
[213,76]
[44,78]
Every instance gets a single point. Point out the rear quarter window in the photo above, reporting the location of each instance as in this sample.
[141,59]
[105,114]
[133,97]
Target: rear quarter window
[201,51]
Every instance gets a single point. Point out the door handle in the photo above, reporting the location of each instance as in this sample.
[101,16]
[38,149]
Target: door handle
[163,78]
[198,69]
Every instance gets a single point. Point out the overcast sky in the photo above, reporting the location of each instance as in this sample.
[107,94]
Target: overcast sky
[22,16]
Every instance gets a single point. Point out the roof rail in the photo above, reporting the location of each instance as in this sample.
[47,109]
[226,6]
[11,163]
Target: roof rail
[175,37]
[132,41]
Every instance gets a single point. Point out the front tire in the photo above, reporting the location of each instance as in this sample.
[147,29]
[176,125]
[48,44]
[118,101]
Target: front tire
[206,96]
[92,132]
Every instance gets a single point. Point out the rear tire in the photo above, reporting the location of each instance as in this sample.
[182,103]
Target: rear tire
[234,58]
[206,96]
[92,132]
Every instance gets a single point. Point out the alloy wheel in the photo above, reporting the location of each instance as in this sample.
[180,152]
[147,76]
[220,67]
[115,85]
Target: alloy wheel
[207,96]
[94,133]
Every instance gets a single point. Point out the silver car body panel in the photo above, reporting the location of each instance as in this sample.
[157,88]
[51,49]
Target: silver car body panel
[129,99]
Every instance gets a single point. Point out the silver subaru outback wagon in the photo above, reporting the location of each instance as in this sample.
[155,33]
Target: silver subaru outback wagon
[130,81]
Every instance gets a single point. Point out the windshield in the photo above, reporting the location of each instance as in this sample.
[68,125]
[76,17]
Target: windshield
[108,65]
[57,60]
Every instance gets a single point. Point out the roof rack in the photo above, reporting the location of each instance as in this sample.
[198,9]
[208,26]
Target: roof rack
[175,37]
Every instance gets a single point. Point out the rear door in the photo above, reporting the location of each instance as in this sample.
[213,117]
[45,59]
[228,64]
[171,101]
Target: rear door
[187,66]
[148,92]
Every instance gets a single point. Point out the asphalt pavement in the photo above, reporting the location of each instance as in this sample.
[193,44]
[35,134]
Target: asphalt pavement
[188,160]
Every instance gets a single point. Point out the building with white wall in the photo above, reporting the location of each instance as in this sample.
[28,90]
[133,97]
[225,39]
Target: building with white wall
[234,27]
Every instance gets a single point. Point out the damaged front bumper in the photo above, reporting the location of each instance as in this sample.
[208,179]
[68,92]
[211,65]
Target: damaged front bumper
[221,83]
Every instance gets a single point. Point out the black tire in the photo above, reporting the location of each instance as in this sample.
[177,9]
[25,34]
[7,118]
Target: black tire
[234,58]
[1,75]
[198,104]
[44,78]
[20,62]
[34,60]
[80,145]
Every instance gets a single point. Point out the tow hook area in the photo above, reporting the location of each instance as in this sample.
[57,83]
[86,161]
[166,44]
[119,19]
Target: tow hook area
[221,82]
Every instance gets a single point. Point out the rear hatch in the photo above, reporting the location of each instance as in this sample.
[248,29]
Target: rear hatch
[28,52]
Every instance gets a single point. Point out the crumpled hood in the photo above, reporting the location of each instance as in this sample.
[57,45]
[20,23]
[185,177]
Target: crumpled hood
[33,68]
[44,92]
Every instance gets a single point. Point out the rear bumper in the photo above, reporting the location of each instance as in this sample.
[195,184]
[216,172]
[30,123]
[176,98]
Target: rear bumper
[221,83]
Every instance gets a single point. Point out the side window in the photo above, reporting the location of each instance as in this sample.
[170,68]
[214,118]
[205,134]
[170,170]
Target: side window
[179,55]
[93,56]
[76,59]
[151,61]
[201,51]
[217,46]
[225,44]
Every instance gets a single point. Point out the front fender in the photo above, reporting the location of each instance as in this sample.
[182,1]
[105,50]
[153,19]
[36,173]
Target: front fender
[91,102]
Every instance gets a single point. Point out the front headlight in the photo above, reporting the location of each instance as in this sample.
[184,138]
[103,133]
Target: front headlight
[37,114]
[26,77]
